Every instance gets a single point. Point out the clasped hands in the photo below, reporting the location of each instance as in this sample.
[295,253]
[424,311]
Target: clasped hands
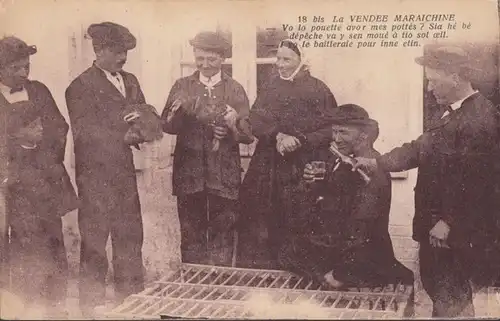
[286,143]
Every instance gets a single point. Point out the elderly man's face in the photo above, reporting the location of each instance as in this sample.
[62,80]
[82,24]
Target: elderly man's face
[16,73]
[443,85]
[287,61]
[208,63]
[111,59]
[347,138]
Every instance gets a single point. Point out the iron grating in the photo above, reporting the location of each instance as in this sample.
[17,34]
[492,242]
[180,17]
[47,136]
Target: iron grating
[208,292]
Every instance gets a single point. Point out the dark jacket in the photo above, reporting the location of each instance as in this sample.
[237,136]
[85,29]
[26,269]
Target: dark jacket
[457,177]
[38,174]
[105,171]
[347,230]
[196,167]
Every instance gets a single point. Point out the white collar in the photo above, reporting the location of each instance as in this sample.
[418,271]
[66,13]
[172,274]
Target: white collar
[13,97]
[108,73]
[4,88]
[213,80]
[296,71]
[458,103]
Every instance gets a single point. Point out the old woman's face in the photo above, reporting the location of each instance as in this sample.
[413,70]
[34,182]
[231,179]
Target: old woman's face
[287,61]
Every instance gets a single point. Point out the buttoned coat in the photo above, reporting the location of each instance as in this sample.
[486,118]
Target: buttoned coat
[37,174]
[104,164]
[457,181]
[196,167]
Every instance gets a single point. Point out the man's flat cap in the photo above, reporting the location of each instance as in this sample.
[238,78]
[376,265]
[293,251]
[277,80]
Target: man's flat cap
[447,58]
[111,35]
[211,41]
[13,49]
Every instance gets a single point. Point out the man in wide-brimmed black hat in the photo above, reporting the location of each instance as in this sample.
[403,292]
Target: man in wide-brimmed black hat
[39,191]
[101,103]
[339,226]
[455,202]
[208,112]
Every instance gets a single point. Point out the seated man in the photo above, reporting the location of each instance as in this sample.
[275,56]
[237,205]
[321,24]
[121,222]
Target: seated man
[339,229]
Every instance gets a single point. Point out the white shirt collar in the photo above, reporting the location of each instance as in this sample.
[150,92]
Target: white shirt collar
[116,80]
[4,89]
[213,80]
[108,73]
[13,97]
[458,103]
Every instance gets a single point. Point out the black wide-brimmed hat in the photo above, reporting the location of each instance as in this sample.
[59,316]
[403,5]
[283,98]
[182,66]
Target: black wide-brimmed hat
[351,114]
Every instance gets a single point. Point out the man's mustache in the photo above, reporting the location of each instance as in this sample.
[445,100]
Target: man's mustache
[22,80]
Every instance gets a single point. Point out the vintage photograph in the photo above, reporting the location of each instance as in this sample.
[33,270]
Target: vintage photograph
[249,159]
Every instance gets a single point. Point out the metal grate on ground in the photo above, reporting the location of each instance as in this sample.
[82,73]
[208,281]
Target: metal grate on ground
[206,292]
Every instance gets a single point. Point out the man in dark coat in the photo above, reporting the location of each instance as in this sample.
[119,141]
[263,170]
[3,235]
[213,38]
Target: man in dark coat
[205,110]
[105,171]
[39,191]
[455,204]
[339,225]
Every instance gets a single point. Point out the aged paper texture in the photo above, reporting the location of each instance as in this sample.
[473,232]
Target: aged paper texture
[358,52]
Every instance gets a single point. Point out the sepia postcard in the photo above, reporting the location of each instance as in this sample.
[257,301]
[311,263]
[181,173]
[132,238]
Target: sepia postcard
[251,159]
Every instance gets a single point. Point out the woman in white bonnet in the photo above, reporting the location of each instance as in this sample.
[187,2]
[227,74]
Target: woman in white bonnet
[291,119]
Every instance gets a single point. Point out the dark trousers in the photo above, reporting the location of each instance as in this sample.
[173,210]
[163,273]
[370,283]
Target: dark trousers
[300,256]
[126,230]
[37,256]
[207,228]
[446,282]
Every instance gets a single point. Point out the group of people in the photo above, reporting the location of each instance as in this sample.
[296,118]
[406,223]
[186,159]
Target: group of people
[315,199]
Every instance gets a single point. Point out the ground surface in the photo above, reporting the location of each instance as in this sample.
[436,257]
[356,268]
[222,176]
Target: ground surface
[161,245]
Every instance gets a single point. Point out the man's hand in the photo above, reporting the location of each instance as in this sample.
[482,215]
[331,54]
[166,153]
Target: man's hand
[308,175]
[176,105]
[367,164]
[130,117]
[286,143]
[331,282]
[220,132]
[439,234]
